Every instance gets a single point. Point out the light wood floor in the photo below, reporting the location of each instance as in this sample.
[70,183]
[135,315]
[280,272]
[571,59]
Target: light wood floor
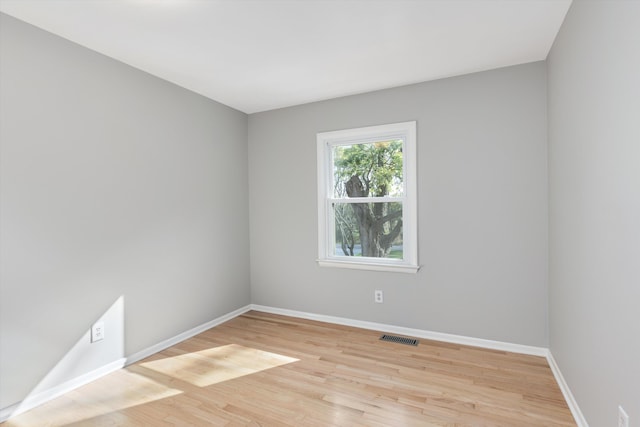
[267,370]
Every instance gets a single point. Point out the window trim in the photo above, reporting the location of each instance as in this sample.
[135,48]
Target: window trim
[325,141]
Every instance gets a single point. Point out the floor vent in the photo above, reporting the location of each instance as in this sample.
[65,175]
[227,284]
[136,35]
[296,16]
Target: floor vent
[399,340]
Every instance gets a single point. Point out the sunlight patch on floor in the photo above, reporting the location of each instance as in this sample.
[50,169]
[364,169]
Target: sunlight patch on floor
[119,390]
[214,365]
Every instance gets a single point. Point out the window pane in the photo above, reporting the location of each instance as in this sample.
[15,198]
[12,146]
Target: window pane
[368,229]
[368,170]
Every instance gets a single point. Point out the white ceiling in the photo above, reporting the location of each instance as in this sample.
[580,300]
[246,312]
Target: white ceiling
[257,55]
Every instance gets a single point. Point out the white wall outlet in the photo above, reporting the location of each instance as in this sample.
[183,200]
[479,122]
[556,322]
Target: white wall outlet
[623,418]
[378,297]
[97,332]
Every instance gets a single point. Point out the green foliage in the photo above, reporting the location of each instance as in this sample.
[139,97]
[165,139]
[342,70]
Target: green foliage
[378,165]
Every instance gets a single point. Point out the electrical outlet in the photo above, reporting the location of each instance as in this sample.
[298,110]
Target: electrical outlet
[623,418]
[97,332]
[378,297]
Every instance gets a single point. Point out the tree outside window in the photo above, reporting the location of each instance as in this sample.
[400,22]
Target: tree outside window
[370,170]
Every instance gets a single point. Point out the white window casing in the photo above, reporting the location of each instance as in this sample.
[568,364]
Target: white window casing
[326,141]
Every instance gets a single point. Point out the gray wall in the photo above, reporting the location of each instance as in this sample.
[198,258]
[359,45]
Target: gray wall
[113,183]
[594,169]
[482,190]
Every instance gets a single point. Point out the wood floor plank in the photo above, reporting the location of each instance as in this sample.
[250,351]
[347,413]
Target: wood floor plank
[262,369]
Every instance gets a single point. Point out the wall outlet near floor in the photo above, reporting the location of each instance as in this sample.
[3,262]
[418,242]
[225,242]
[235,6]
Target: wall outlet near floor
[378,297]
[623,418]
[97,332]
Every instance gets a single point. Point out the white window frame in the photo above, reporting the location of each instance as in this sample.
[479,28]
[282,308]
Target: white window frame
[326,236]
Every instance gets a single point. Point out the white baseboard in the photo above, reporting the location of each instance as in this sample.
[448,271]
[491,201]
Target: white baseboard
[44,396]
[419,333]
[566,392]
[185,335]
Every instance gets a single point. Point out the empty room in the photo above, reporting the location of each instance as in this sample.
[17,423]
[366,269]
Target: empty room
[320,212]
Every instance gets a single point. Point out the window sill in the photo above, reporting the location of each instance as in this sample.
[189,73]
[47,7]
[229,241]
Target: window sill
[397,268]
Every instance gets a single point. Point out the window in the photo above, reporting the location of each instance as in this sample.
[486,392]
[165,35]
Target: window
[367,198]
